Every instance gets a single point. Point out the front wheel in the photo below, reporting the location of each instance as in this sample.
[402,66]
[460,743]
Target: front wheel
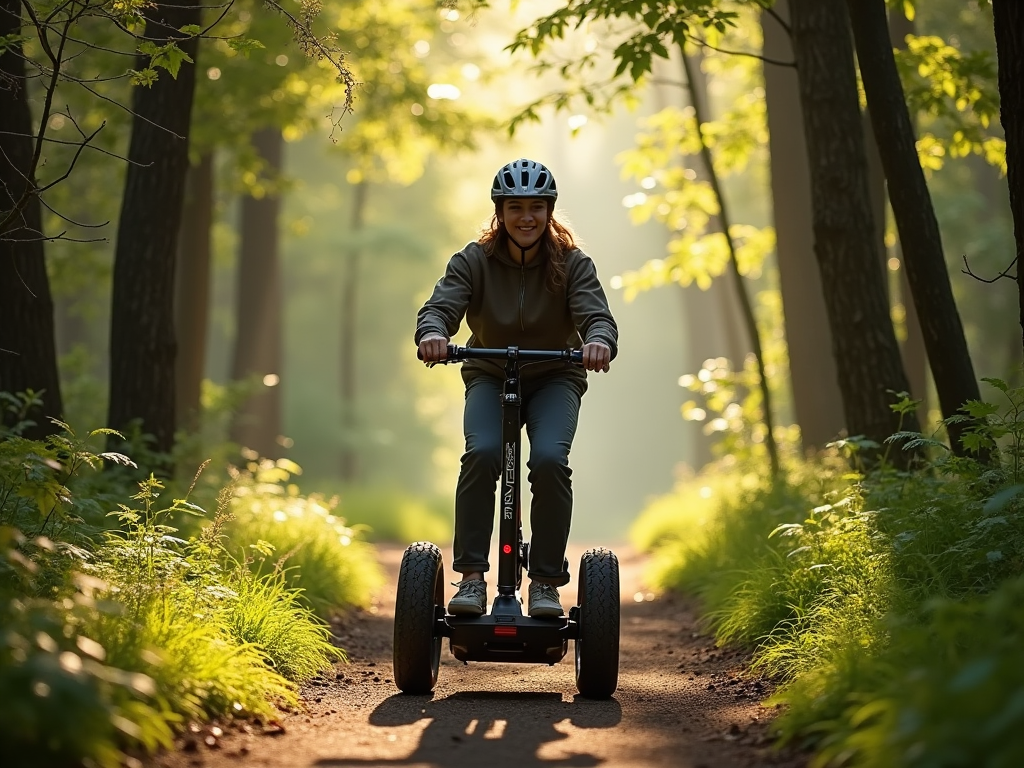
[597,643]
[417,645]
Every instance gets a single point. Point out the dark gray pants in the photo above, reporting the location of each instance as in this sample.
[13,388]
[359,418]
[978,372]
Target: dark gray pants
[550,412]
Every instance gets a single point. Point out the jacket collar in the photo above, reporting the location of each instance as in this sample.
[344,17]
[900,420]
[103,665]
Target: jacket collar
[505,258]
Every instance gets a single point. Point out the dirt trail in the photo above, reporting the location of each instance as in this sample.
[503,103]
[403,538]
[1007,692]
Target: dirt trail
[680,702]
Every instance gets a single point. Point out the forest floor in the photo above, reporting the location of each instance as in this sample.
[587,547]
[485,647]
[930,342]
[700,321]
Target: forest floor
[681,702]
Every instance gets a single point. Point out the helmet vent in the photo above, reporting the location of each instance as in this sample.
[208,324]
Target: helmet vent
[542,179]
[526,179]
[509,181]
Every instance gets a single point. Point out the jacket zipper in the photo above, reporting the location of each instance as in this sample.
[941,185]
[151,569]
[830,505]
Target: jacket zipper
[522,295]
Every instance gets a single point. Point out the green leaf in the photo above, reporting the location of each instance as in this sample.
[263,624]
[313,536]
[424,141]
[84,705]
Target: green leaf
[144,77]
[974,442]
[11,41]
[999,384]
[978,409]
[191,29]
[245,45]
[169,57]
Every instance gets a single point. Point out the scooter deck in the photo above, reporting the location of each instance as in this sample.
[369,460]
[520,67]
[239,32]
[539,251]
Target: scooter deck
[509,637]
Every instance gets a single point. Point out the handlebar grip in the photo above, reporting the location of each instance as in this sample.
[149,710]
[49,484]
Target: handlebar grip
[452,351]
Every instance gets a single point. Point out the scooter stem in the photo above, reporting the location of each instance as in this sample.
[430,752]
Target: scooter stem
[510,523]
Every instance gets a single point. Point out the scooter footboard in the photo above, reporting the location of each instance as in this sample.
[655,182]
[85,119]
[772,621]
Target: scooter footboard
[513,639]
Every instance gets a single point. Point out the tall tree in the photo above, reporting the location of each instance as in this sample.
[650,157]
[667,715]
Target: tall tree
[864,342]
[817,401]
[142,344]
[192,290]
[258,311]
[952,369]
[915,357]
[28,358]
[1008,20]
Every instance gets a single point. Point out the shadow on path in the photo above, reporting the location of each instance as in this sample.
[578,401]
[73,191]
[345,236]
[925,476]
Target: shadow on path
[489,729]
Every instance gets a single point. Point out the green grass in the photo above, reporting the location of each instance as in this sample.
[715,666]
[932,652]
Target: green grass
[127,613]
[268,614]
[273,526]
[887,605]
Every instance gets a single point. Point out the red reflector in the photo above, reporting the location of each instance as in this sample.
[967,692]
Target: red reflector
[507,548]
[505,631]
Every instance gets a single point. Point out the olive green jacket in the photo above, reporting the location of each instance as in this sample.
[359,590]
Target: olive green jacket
[506,304]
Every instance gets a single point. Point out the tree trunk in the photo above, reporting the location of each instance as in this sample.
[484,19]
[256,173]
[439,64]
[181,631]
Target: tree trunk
[817,401]
[142,345]
[192,291]
[347,353]
[1008,19]
[915,358]
[876,194]
[864,342]
[257,425]
[912,209]
[28,355]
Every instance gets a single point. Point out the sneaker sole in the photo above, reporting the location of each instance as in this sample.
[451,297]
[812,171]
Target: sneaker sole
[546,613]
[465,610]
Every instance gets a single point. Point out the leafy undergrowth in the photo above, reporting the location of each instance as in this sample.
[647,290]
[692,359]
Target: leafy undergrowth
[124,616]
[888,604]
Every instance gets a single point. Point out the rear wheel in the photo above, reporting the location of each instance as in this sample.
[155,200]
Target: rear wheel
[418,604]
[597,644]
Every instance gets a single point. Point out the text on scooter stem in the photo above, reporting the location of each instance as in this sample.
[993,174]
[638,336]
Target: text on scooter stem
[510,479]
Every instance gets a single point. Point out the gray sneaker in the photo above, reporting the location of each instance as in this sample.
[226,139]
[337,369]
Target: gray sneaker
[544,601]
[470,600]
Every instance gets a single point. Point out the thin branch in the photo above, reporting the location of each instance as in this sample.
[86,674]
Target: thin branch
[69,220]
[746,306]
[135,115]
[75,143]
[227,7]
[1005,273]
[310,44]
[704,43]
[74,161]
[62,238]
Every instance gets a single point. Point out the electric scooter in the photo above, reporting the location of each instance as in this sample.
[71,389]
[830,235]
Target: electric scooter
[505,634]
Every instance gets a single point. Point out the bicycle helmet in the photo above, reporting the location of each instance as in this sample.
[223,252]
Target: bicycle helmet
[523,178]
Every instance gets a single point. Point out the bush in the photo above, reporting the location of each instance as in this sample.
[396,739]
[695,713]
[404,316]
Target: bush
[887,604]
[317,550]
[117,629]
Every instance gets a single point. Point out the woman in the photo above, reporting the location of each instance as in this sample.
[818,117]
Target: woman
[523,283]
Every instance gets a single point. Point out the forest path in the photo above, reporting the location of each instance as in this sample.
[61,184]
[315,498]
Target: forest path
[680,702]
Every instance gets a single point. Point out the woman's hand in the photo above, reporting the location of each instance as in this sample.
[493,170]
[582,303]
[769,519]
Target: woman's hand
[433,348]
[596,356]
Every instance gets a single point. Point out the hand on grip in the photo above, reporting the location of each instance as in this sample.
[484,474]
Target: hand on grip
[433,349]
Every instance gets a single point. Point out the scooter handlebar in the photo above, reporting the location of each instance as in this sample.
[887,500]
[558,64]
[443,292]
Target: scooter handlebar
[457,354]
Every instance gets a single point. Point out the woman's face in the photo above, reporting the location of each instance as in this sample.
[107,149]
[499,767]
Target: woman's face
[525,218]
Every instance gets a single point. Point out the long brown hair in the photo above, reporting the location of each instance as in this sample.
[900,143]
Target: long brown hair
[556,242]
